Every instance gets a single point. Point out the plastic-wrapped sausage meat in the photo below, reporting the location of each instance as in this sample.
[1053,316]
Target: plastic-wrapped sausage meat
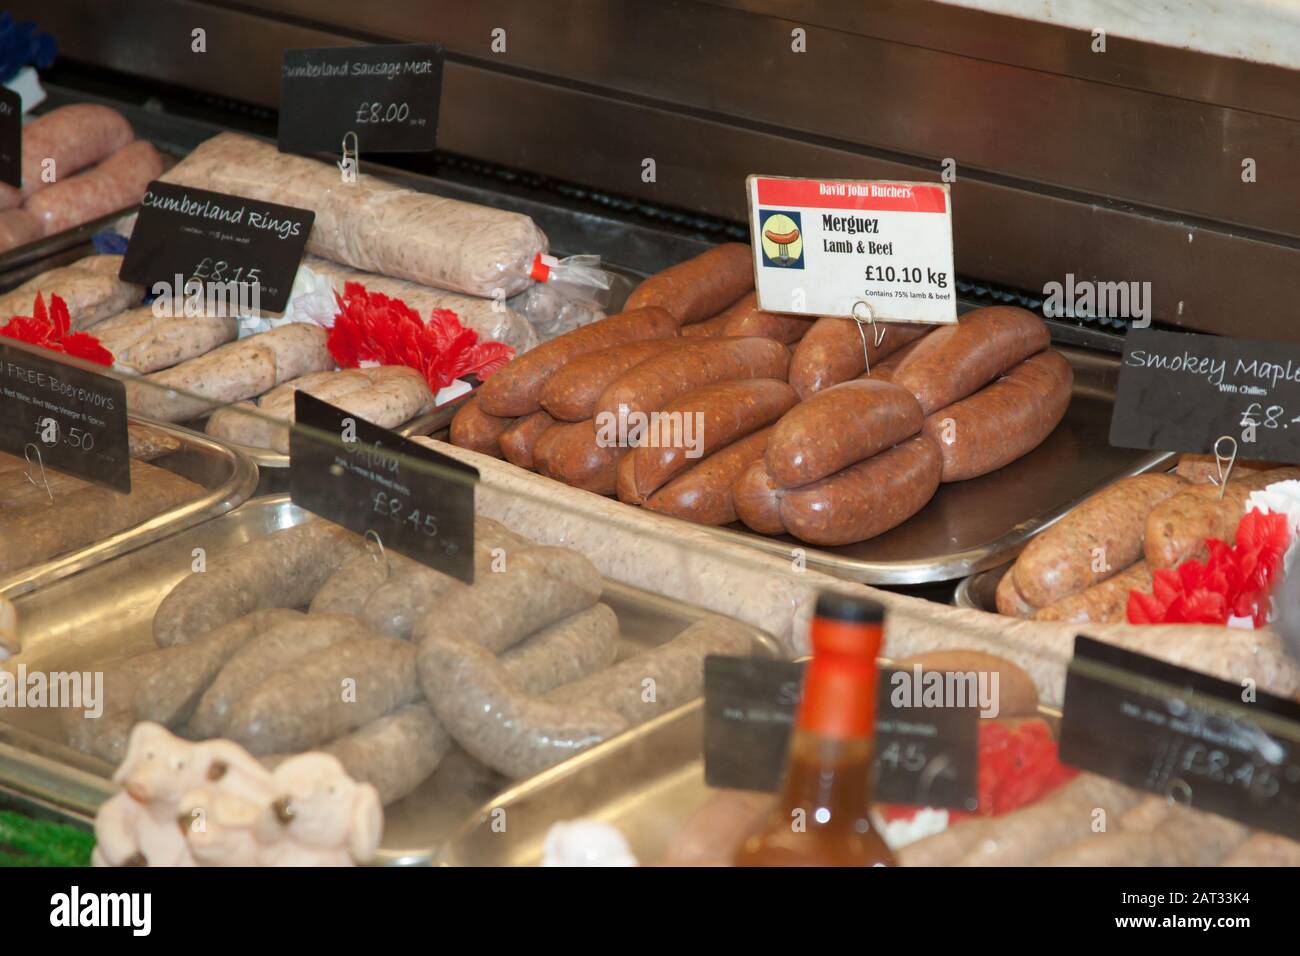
[375,225]
[492,320]
[114,184]
[70,139]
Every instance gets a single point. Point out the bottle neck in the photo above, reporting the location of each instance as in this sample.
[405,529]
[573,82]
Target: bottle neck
[840,682]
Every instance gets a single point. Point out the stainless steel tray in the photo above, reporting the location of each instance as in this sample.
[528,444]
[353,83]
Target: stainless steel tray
[979,591]
[972,525]
[106,614]
[228,476]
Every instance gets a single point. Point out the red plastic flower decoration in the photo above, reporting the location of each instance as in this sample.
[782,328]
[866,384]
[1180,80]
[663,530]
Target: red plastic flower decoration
[374,327]
[1234,581]
[52,329]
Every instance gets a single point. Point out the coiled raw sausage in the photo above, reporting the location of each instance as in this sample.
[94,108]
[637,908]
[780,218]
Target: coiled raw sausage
[70,138]
[744,317]
[581,455]
[865,499]
[832,351]
[957,360]
[570,394]
[703,494]
[704,421]
[839,426]
[519,441]
[1101,537]
[116,183]
[475,429]
[1103,603]
[1004,420]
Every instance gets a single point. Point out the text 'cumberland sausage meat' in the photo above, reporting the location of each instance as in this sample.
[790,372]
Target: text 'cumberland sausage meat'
[658,380]
[570,394]
[957,360]
[516,388]
[701,287]
[701,422]
[1100,537]
[839,426]
[703,494]
[1002,421]
[832,351]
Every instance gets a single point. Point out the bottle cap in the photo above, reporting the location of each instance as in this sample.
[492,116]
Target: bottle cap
[843,607]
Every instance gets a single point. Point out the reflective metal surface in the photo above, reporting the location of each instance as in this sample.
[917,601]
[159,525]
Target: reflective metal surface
[227,476]
[106,614]
[979,591]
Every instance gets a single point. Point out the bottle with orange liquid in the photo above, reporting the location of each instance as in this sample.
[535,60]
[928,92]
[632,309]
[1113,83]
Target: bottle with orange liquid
[823,816]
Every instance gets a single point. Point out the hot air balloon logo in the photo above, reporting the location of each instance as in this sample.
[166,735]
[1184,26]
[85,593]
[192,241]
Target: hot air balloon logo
[782,238]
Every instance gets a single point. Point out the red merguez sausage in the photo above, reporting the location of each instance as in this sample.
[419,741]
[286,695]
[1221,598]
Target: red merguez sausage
[515,389]
[577,455]
[744,317]
[478,431]
[758,500]
[1003,421]
[958,360]
[519,441]
[658,380]
[570,394]
[703,493]
[865,499]
[831,351]
[701,422]
[839,426]
[700,287]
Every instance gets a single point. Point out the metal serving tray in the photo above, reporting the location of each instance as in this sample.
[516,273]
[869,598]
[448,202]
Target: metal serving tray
[972,525]
[106,614]
[228,476]
[979,591]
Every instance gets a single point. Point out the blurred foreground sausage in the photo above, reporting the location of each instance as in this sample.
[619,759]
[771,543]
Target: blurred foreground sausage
[700,287]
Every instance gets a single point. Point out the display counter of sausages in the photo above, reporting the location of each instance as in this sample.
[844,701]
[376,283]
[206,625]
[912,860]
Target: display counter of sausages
[656,479]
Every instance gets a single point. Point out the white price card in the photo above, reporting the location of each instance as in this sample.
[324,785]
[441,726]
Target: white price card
[853,248]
